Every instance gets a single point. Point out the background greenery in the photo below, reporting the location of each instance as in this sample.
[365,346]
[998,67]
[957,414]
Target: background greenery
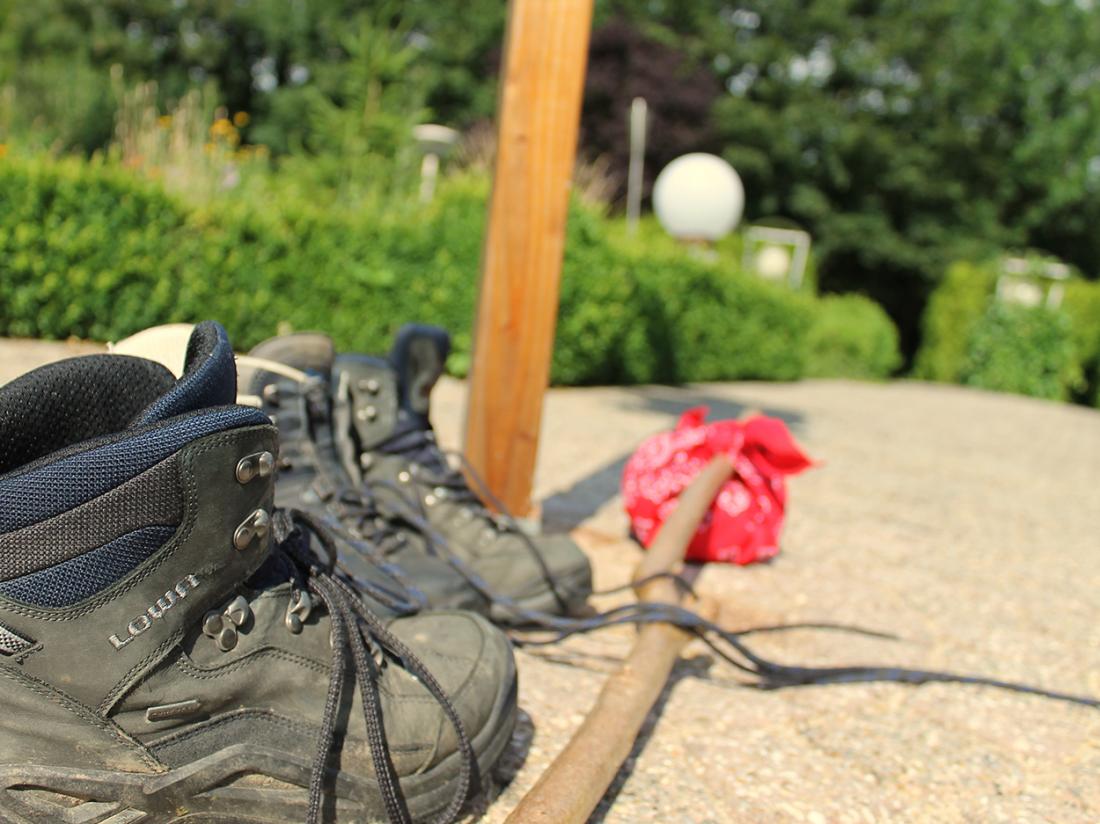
[257,154]
[91,250]
[971,339]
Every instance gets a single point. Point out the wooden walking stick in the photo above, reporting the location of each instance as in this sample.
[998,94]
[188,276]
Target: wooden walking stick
[575,782]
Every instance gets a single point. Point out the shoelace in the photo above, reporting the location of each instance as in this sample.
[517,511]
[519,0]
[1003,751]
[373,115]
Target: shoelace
[727,644]
[372,535]
[361,641]
[358,522]
[418,445]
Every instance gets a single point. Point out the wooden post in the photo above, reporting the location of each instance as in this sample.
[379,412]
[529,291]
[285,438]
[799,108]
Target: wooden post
[542,83]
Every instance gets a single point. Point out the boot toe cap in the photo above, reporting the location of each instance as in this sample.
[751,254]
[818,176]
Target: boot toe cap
[473,663]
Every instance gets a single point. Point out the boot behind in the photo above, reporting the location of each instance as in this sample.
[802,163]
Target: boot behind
[290,376]
[393,446]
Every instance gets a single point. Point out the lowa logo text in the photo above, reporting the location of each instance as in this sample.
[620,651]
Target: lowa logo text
[155,611]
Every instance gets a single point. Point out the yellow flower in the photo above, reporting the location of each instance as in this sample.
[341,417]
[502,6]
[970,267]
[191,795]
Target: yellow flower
[165,121]
[222,128]
[240,119]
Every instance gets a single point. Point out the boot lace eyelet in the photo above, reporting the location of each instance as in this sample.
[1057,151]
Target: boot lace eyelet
[298,611]
[223,627]
[257,465]
[254,526]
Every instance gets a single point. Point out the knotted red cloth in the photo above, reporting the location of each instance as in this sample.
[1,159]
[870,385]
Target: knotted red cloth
[745,519]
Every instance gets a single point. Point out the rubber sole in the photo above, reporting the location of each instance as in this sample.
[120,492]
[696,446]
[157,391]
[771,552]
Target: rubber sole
[240,784]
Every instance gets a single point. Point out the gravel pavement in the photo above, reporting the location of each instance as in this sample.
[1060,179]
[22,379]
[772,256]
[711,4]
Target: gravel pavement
[965,522]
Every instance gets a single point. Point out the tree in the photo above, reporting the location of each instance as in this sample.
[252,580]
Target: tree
[902,134]
[267,57]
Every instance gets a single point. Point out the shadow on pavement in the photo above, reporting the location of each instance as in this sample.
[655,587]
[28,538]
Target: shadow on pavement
[675,400]
[515,756]
[569,508]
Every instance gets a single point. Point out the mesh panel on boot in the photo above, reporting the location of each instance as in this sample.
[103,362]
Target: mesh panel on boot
[153,497]
[51,488]
[78,438]
[419,355]
[12,643]
[70,582]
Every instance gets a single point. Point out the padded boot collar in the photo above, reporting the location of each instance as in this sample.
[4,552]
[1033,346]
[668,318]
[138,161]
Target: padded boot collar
[97,649]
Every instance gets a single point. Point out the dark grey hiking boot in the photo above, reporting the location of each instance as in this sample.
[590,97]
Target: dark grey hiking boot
[172,648]
[388,557]
[393,446]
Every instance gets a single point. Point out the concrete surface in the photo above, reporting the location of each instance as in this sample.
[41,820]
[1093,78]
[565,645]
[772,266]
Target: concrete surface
[966,522]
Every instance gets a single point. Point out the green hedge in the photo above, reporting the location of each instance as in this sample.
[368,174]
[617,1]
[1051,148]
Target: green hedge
[1082,306]
[966,341]
[86,249]
[852,337]
[953,311]
[1024,350]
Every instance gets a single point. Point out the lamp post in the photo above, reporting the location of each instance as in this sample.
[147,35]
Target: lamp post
[436,142]
[1031,282]
[776,253]
[639,114]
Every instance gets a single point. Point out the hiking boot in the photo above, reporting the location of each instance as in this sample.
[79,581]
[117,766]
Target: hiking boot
[172,648]
[289,378]
[391,445]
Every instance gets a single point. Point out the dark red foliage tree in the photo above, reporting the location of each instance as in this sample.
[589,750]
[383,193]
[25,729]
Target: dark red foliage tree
[624,63]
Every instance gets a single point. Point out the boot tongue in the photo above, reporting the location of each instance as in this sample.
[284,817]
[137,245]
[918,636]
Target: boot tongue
[418,357]
[209,377]
[310,352]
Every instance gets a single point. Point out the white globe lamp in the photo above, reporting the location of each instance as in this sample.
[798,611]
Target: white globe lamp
[698,197]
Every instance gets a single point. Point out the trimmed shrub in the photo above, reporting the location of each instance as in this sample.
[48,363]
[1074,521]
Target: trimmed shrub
[1023,350]
[953,312]
[696,319]
[86,249]
[852,337]
[961,315]
[1082,306]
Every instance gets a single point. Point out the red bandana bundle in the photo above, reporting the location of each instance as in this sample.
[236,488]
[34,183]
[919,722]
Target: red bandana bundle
[745,519]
